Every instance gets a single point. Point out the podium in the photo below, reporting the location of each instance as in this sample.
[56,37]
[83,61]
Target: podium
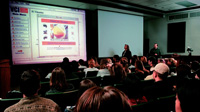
[4,77]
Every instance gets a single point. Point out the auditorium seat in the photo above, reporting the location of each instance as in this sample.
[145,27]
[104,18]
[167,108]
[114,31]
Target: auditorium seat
[92,73]
[44,88]
[64,99]
[81,75]
[162,104]
[108,80]
[75,82]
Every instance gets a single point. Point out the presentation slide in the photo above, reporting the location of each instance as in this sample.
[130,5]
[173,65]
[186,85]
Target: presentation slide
[117,29]
[46,34]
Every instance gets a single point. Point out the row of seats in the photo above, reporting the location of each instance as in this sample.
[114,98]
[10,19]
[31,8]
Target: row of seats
[162,104]
[70,97]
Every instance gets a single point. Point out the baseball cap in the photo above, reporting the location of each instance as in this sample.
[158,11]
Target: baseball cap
[161,68]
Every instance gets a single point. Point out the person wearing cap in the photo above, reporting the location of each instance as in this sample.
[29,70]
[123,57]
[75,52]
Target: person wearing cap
[160,87]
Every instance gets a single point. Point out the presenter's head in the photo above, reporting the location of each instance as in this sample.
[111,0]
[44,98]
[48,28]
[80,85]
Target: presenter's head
[126,47]
[156,46]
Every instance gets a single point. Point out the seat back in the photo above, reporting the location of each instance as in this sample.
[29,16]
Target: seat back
[45,86]
[108,80]
[92,73]
[75,82]
[81,75]
[161,104]
[64,99]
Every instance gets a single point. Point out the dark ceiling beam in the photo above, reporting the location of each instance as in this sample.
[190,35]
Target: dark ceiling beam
[184,9]
[136,5]
[128,7]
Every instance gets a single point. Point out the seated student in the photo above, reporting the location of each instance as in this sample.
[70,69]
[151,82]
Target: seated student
[118,73]
[160,87]
[144,61]
[104,68]
[132,64]
[91,66]
[140,70]
[152,63]
[58,81]
[107,99]
[81,64]
[116,59]
[125,64]
[187,96]
[84,85]
[31,102]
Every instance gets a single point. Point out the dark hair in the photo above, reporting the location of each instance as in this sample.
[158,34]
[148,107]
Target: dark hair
[74,66]
[65,60]
[189,94]
[118,72]
[29,82]
[103,63]
[127,47]
[84,85]
[58,79]
[139,65]
[107,99]
[153,60]
[81,62]
[183,71]
[117,58]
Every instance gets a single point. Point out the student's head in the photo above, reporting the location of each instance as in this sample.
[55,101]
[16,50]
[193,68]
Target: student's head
[91,63]
[65,60]
[30,82]
[107,99]
[81,62]
[103,63]
[143,59]
[118,72]
[116,58]
[124,61]
[183,71]
[188,96]
[58,79]
[152,61]
[84,85]
[139,65]
[161,71]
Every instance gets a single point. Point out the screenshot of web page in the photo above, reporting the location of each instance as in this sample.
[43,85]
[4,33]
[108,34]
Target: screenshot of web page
[46,34]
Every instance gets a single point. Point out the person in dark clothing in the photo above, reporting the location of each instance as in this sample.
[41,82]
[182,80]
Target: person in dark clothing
[155,51]
[187,96]
[160,87]
[127,53]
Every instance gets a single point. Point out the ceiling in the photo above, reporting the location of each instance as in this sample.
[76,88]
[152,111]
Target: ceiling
[162,5]
[151,7]
[154,8]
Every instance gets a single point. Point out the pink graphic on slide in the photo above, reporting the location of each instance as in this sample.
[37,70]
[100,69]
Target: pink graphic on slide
[59,31]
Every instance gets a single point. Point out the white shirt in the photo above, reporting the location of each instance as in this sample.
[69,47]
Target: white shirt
[90,69]
[103,72]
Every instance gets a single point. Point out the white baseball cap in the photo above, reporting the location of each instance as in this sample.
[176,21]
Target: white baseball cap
[161,68]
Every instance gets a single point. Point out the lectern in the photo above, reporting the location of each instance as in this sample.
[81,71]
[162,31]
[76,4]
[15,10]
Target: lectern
[4,77]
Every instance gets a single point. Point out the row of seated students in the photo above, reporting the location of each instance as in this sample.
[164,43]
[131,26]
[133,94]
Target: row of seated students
[102,99]
[160,88]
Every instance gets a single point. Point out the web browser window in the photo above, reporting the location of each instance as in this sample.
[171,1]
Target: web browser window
[46,34]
